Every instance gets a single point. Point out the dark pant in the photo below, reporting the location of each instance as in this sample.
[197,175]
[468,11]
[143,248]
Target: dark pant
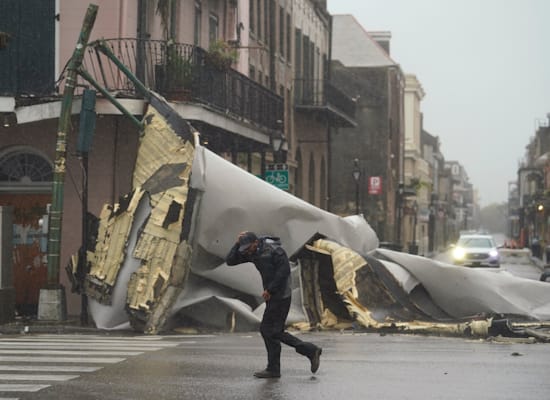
[273,332]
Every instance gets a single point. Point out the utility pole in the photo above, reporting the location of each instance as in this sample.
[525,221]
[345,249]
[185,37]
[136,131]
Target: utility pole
[51,304]
[85,135]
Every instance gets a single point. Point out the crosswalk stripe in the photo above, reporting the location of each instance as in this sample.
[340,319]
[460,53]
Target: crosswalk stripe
[91,360]
[16,345]
[149,338]
[105,342]
[9,387]
[38,360]
[48,368]
[43,377]
[73,352]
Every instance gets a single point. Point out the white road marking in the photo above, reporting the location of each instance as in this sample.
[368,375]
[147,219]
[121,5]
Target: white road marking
[90,342]
[39,358]
[8,387]
[84,360]
[73,352]
[43,377]
[48,368]
[42,345]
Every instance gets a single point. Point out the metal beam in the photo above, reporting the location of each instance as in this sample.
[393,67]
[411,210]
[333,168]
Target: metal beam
[84,74]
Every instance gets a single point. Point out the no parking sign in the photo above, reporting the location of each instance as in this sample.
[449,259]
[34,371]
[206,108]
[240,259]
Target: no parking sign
[375,185]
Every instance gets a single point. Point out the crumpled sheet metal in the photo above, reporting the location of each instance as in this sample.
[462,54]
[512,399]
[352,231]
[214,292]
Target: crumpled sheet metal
[463,292]
[348,265]
[112,315]
[110,250]
[160,255]
[166,266]
[233,200]
[154,273]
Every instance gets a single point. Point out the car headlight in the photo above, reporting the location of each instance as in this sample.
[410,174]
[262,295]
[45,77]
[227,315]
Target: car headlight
[458,253]
[493,253]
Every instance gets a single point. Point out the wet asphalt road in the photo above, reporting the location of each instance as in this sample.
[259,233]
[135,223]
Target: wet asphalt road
[353,366]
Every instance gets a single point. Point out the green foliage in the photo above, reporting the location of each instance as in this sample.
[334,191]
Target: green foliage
[163,10]
[179,70]
[221,55]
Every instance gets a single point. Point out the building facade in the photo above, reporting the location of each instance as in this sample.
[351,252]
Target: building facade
[367,160]
[251,76]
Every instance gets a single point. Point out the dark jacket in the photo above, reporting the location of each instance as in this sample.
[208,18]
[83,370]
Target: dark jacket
[272,264]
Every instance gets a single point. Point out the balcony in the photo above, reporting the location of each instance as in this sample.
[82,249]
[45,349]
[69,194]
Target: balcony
[317,95]
[186,73]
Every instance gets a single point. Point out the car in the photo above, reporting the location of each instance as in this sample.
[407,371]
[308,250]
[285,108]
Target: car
[476,251]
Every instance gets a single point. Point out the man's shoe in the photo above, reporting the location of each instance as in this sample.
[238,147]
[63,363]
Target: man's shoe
[267,374]
[316,359]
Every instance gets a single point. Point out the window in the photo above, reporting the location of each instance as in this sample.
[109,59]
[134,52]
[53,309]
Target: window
[22,167]
[252,15]
[173,19]
[288,111]
[259,18]
[282,31]
[298,54]
[266,20]
[252,73]
[288,38]
[298,184]
[198,25]
[311,180]
[212,28]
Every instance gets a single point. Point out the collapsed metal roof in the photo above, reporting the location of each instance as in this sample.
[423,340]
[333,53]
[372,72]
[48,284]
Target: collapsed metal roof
[159,257]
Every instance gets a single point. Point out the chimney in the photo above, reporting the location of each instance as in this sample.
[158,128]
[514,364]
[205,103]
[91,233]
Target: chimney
[321,3]
[382,38]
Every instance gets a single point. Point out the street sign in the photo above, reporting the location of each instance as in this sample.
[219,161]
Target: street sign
[375,185]
[277,175]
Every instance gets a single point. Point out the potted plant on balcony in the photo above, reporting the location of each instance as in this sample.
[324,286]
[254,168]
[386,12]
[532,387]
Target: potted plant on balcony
[220,55]
[175,76]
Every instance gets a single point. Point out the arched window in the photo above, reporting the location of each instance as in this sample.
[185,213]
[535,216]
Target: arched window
[24,169]
[323,185]
[311,179]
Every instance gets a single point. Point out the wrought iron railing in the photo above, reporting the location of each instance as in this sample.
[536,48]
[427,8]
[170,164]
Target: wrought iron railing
[321,93]
[187,73]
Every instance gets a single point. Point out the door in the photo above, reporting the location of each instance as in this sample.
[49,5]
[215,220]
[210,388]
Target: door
[30,271]
[25,184]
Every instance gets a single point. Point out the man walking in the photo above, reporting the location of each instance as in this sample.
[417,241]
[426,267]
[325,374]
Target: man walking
[272,263]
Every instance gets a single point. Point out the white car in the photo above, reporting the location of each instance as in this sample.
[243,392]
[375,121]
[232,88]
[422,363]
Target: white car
[476,251]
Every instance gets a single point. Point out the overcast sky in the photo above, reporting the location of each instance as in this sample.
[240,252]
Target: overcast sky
[485,68]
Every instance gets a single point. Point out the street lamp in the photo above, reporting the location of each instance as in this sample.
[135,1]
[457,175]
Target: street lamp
[356,173]
[414,247]
[277,142]
[431,223]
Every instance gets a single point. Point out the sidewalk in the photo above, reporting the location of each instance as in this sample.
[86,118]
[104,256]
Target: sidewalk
[32,325]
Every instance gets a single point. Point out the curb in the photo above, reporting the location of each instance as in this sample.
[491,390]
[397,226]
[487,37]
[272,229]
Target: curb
[54,327]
